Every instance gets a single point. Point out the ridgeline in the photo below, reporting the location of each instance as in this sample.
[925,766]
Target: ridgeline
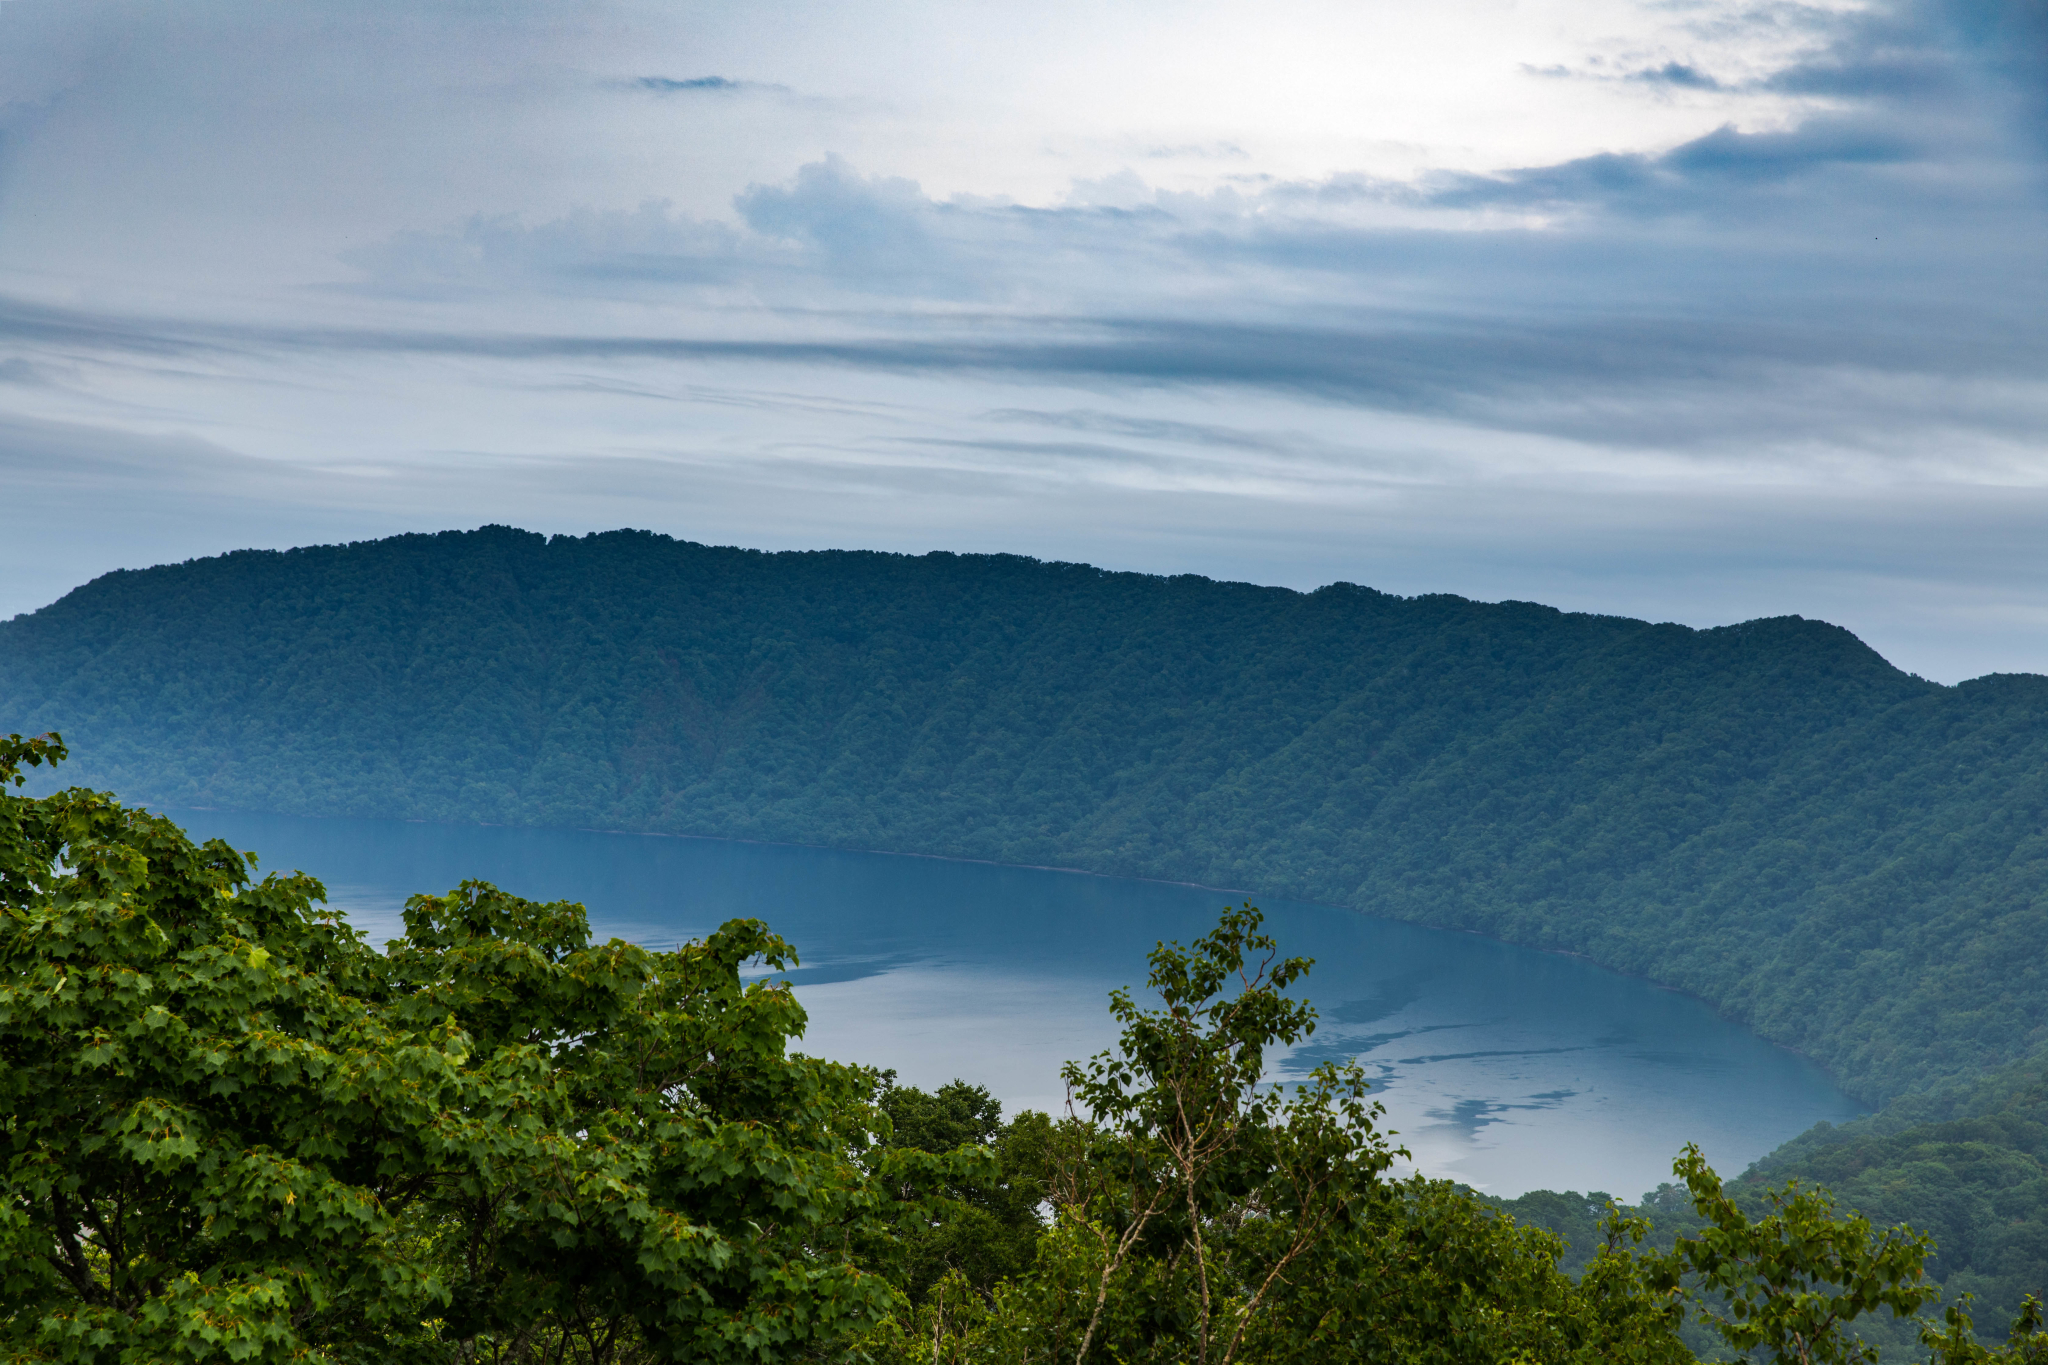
[1847,858]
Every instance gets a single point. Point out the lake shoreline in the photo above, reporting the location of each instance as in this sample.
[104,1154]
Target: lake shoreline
[1504,1066]
[1088,872]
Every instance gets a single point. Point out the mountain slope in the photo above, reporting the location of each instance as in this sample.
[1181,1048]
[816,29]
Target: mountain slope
[1848,858]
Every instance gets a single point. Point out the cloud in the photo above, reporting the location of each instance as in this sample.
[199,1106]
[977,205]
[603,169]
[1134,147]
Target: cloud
[1695,176]
[664,86]
[714,85]
[1201,150]
[1925,54]
[1765,316]
[584,250]
[1680,74]
[872,233]
[1681,383]
[147,500]
[1919,54]
[869,226]
[1763,319]
[1150,428]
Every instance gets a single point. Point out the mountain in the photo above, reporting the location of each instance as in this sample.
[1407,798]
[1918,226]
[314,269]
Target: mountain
[1847,858]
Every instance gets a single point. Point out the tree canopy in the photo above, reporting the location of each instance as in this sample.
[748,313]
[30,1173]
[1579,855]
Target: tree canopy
[234,1131]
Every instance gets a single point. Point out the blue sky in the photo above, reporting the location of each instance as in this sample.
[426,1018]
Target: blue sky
[1690,310]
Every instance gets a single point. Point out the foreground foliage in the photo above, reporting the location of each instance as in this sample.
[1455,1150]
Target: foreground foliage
[1790,1283]
[1198,1216]
[233,1132]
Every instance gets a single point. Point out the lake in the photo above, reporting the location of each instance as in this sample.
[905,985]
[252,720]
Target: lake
[1503,1067]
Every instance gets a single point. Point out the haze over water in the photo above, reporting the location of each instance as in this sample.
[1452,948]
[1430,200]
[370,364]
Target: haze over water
[1503,1067]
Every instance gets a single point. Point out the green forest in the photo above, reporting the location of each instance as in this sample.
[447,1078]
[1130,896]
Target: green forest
[237,1132]
[1845,858]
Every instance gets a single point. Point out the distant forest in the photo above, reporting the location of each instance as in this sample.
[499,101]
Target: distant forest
[1849,859]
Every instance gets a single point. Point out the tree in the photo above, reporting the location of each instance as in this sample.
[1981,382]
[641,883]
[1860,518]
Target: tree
[235,1132]
[980,1222]
[2025,1344]
[1206,1215]
[1186,1163]
[1791,1282]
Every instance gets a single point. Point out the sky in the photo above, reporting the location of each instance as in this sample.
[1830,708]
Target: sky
[1689,310]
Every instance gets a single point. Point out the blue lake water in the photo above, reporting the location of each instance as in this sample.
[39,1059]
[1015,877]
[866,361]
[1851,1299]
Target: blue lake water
[1503,1067]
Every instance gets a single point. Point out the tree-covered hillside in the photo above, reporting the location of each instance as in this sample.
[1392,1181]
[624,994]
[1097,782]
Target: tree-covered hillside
[1846,857]
[1967,1163]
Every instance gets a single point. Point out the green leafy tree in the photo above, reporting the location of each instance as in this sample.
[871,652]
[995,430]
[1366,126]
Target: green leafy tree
[972,1219]
[1790,1283]
[1629,1311]
[234,1132]
[1431,1275]
[1205,1215]
[1955,1343]
[1187,1163]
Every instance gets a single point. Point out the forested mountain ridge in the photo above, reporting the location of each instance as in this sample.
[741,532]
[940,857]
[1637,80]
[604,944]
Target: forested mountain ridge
[1848,858]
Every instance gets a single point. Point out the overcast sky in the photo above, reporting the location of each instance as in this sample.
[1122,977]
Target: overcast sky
[1690,310]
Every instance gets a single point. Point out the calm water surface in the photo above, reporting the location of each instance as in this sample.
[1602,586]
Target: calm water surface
[1503,1067]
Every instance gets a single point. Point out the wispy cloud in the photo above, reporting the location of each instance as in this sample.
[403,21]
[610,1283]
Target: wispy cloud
[701,85]
[1701,175]
[1210,151]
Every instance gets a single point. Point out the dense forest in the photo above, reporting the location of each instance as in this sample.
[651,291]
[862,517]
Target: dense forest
[1847,858]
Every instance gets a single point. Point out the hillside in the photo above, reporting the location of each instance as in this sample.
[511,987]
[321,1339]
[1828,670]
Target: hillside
[1845,857]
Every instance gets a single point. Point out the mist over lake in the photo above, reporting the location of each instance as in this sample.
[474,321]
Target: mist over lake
[1500,1066]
